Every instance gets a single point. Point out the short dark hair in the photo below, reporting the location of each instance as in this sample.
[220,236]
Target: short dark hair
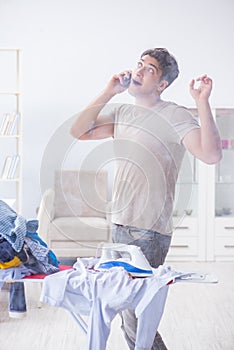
[167,63]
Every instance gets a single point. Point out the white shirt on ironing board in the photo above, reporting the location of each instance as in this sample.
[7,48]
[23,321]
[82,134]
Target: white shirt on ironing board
[102,295]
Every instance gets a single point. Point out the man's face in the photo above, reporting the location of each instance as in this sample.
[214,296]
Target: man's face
[146,77]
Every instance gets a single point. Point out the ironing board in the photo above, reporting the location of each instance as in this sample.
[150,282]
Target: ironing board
[108,291]
[79,269]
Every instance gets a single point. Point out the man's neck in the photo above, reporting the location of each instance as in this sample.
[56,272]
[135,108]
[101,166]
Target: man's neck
[148,102]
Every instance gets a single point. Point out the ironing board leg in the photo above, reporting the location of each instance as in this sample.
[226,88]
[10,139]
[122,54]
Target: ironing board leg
[39,288]
[80,321]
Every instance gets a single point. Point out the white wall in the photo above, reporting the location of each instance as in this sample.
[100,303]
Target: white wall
[71,48]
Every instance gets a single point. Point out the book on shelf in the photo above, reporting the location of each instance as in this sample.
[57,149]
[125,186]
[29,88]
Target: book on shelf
[14,167]
[6,167]
[10,167]
[12,125]
[9,123]
[4,125]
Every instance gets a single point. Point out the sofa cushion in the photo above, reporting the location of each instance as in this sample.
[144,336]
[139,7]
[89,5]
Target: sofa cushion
[79,229]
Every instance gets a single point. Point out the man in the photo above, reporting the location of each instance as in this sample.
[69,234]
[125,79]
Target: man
[150,139]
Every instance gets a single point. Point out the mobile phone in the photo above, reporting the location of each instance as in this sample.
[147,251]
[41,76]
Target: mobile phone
[127,80]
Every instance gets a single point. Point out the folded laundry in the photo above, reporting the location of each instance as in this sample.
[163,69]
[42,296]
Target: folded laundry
[20,241]
[22,252]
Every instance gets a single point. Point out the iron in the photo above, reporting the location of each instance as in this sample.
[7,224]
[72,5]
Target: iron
[130,257]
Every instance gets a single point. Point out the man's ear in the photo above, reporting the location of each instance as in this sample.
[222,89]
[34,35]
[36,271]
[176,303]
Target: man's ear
[162,86]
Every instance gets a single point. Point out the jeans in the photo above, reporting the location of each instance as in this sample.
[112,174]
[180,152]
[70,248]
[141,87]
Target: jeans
[155,247]
[17,301]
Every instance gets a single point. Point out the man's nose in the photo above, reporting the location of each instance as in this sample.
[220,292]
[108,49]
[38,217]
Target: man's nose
[140,70]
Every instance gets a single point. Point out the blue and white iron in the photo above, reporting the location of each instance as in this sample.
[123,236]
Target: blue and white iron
[130,257]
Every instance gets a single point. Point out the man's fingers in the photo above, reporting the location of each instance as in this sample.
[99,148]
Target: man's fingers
[205,79]
[191,85]
[202,77]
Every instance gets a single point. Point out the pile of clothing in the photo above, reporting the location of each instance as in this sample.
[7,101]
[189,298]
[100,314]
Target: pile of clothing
[22,253]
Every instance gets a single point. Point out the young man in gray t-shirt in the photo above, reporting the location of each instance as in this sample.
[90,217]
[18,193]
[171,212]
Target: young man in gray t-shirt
[149,139]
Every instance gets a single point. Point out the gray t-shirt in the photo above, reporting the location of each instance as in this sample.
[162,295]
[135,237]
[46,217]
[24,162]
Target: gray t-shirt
[149,152]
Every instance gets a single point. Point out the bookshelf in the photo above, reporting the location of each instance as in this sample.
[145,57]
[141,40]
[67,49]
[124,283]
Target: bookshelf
[10,128]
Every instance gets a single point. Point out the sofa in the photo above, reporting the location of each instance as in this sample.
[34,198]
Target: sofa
[73,215]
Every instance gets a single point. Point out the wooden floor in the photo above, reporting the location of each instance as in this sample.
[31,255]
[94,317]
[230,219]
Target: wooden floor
[196,317]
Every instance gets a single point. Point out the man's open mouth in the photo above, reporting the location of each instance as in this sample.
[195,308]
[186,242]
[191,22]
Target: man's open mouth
[135,82]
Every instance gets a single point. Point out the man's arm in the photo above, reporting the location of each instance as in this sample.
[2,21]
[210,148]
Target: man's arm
[90,125]
[204,143]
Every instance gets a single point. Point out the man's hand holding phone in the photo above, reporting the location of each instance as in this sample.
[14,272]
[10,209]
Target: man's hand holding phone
[119,82]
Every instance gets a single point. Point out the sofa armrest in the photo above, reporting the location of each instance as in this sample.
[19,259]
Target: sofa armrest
[46,213]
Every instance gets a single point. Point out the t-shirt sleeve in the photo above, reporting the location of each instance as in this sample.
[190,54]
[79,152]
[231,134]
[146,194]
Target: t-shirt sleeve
[116,115]
[112,112]
[184,122]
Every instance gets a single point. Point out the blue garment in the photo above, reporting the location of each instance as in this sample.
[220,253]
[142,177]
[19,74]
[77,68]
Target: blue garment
[34,236]
[32,226]
[17,300]
[12,226]
[7,253]
[41,257]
